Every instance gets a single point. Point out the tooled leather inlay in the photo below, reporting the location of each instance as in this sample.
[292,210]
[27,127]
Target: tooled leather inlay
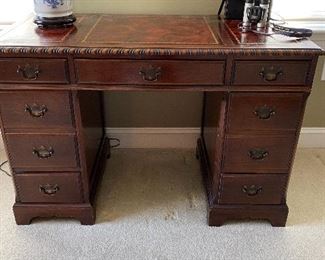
[145,35]
[151,29]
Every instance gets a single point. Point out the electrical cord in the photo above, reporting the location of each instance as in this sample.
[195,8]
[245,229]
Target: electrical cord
[118,143]
[4,171]
[116,140]
[299,33]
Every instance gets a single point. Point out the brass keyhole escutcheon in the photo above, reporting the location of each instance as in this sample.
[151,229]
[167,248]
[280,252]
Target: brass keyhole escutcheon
[43,153]
[49,189]
[36,110]
[258,154]
[150,73]
[271,73]
[252,190]
[265,112]
[29,72]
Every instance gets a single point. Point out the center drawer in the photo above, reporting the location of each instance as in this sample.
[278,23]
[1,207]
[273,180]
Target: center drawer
[150,72]
[39,151]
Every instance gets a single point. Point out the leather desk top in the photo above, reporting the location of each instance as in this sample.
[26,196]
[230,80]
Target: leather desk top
[148,35]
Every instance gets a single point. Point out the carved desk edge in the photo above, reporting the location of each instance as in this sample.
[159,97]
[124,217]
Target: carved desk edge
[209,52]
[159,35]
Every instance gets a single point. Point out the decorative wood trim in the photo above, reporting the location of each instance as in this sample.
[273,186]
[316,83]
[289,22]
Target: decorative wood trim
[26,212]
[157,51]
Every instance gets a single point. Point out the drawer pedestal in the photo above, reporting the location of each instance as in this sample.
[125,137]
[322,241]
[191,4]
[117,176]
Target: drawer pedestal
[219,214]
[246,151]
[48,148]
[85,212]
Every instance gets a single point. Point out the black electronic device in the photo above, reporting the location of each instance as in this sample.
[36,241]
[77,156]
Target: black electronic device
[256,13]
[292,32]
[255,16]
[233,9]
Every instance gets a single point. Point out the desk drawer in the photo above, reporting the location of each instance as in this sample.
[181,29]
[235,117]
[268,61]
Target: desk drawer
[259,154]
[252,189]
[49,187]
[271,72]
[36,109]
[264,111]
[28,70]
[151,72]
[42,150]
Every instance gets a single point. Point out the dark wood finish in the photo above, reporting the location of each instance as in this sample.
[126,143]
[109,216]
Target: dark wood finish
[48,187]
[23,155]
[252,189]
[138,72]
[276,214]
[213,131]
[256,88]
[270,72]
[103,154]
[33,71]
[272,153]
[36,110]
[265,111]
[93,124]
[219,214]
[25,212]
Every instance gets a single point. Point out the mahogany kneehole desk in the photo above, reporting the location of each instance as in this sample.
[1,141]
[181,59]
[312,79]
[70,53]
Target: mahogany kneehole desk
[51,83]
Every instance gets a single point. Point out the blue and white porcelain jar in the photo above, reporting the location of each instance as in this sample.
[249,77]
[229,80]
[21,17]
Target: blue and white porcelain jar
[54,13]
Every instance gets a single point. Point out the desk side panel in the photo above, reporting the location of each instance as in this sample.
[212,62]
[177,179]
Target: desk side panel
[213,129]
[91,108]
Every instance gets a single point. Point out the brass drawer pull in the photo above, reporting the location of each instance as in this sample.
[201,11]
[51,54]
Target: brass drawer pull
[264,112]
[29,72]
[49,189]
[258,154]
[271,73]
[151,73]
[36,110]
[252,190]
[43,153]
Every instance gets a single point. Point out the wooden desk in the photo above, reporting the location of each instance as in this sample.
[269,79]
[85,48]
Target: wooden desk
[51,85]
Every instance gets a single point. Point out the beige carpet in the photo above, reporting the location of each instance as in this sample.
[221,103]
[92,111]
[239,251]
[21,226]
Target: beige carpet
[152,205]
